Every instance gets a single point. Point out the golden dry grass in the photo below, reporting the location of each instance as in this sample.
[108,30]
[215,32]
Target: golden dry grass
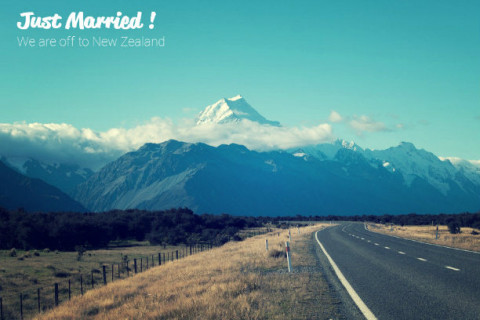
[463,240]
[239,280]
[27,275]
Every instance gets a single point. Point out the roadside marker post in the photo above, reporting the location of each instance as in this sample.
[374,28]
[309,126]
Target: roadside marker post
[266,244]
[436,233]
[287,249]
[289,236]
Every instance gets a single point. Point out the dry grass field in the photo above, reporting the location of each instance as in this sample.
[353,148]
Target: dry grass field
[239,280]
[464,240]
[28,271]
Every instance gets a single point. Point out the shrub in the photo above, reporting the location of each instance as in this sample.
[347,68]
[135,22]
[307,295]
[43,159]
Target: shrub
[36,253]
[62,274]
[46,250]
[13,252]
[474,232]
[454,227]
[274,253]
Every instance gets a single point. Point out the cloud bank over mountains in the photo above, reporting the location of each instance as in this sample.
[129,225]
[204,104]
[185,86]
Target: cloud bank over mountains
[226,121]
[64,143]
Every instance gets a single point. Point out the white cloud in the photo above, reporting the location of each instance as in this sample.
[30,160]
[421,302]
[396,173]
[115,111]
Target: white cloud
[364,123]
[54,142]
[335,117]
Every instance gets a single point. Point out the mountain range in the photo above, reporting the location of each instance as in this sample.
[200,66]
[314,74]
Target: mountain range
[19,191]
[330,178]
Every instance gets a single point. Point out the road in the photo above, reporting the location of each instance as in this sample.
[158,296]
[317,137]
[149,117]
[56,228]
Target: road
[403,279]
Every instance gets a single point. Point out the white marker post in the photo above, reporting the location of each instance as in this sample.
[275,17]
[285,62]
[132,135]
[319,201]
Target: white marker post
[287,249]
[298,230]
[289,235]
[266,244]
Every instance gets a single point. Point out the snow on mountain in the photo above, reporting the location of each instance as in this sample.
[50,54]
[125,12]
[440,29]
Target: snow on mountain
[412,163]
[233,179]
[326,151]
[65,177]
[406,159]
[232,110]
[470,168]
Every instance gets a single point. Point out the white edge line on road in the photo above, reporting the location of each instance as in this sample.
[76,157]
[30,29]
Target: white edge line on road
[353,294]
[452,268]
[430,244]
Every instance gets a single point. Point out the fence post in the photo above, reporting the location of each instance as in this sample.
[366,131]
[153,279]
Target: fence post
[436,233]
[92,280]
[266,244]
[287,249]
[164,258]
[141,264]
[1,308]
[38,300]
[104,272]
[112,272]
[159,259]
[153,262]
[190,249]
[128,270]
[21,306]
[81,285]
[135,265]
[56,294]
[118,270]
[176,253]
[69,290]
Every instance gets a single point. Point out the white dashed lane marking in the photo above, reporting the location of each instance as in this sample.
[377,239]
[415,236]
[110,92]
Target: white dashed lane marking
[422,259]
[452,268]
[376,244]
[401,252]
[387,248]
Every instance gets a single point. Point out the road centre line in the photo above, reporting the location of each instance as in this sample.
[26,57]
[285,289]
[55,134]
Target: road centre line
[452,268]
[355,297]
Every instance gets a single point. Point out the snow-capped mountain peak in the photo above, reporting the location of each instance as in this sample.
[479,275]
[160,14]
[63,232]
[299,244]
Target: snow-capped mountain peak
[229,110]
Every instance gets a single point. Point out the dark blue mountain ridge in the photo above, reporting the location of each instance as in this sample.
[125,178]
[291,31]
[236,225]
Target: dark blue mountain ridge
[20,191]
[233,179]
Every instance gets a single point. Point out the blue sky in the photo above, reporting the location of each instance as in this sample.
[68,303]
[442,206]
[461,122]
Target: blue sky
[391,70]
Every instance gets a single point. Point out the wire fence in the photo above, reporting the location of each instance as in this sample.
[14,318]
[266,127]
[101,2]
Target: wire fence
[29,303]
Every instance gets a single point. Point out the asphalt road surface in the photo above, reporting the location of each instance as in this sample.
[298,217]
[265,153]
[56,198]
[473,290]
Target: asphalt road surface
[403,279]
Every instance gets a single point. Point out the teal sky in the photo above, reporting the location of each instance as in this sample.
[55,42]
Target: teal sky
[410,68]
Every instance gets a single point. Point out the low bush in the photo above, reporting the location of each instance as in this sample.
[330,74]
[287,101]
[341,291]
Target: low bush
[274,253]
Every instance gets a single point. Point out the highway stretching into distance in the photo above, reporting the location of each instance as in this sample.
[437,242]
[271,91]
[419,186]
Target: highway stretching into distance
[402,279]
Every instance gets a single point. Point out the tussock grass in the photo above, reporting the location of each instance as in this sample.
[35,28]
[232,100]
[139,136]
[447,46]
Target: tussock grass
[48,267]
[239,280]
[464,240]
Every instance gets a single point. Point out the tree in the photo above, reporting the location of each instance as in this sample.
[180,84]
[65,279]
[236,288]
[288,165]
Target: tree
[454,227]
